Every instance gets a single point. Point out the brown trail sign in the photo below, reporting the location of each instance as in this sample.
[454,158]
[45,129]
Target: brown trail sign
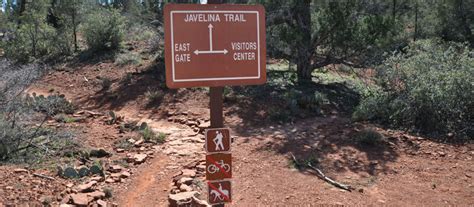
[218,166]
[219,192]
[217,140]
[214,45]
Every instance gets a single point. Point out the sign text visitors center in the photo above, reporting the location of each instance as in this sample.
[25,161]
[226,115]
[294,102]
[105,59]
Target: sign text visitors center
[214,45]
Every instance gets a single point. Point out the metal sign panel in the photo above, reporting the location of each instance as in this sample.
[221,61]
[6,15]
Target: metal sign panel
[219,192]
[218,166]
[217,140]
[214,45]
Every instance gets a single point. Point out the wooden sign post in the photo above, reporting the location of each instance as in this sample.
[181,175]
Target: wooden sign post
[215,45]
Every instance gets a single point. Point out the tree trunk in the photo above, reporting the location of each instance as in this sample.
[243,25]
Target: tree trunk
[416,21]
[302,17]
[394,8]
[464,22]
[34,39]
[74,28]
[22,6]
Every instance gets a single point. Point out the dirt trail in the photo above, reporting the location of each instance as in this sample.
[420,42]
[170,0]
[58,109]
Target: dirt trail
[149,188]
[403,170]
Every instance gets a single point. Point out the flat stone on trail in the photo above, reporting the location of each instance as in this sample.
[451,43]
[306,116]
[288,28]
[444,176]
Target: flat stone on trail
[182,198]
[185,188]
[80,199]
[102,203]
[97,178]
[115,168]
[116,175]
[125,175]
[97,195]
[86,187]
[188,173]
[200,203]
[20,170]
[139,158]
[201,168]
[204,125]
[185,180]
[139,143]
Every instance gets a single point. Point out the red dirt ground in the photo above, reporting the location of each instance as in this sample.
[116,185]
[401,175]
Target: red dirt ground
[404,170]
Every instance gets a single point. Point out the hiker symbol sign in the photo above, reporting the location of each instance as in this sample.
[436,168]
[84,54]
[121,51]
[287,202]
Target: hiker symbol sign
[217,140]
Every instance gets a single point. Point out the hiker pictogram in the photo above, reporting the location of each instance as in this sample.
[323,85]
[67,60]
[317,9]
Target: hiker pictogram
[218,140]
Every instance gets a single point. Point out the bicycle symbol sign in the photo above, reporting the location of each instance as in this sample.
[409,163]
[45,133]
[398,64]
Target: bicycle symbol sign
[219,166]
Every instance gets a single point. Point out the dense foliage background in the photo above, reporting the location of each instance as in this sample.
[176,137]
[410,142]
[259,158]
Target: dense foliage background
[421,51]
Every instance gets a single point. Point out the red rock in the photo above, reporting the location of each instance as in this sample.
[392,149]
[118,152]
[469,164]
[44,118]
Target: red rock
[139,158]
[115,168]
[125,175]
[20,170]
[102,203]
[97,195]
[86,187]
[80,199]
[188,173]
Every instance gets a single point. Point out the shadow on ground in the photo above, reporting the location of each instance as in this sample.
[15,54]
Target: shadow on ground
[318,135]
[328,143]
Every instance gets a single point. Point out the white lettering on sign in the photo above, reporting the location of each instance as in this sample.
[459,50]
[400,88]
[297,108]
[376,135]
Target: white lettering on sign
[179,58]
[244,45]
[244,56]
[234,18]
[239,51]
[202,18]
[178,47]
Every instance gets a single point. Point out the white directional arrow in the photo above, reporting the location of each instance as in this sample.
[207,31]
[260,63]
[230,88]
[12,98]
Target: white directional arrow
[197,52]
[210,36]
[211,50]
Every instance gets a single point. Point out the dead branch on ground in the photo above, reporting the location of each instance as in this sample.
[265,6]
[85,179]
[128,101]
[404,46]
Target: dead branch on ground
[322,176]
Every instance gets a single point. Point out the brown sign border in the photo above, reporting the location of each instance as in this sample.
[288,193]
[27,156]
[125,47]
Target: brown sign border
[215,82]
[218,181]
[225,175]
[217,129]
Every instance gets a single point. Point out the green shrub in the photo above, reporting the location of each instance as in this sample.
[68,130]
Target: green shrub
[132,58]
[105,83]
[109,192]
[123,144]
[430,89]
[369,137]
[150,136]
[154,95]
[62,118]
[103,29]
[36,41]
[51,105]
[140,32]
[20,142]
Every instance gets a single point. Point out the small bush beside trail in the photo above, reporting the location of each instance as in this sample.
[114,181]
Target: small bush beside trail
[430,88]
[24,138]
[104,29]
[131,58]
